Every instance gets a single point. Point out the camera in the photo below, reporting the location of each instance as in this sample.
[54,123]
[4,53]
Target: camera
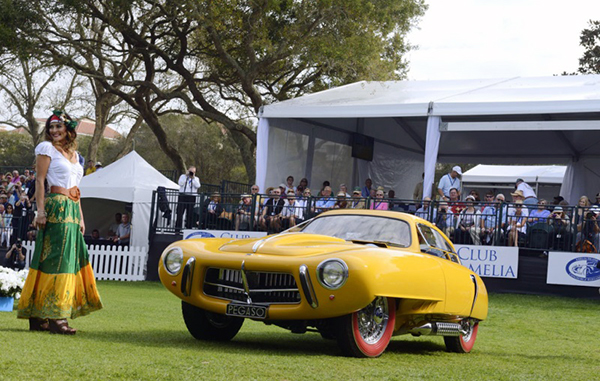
[590,215]
[191,174]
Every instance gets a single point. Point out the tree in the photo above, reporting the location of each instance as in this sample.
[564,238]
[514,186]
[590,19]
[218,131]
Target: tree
[223,60]
[203,145]
[15,149]
[27,84]
[589,63]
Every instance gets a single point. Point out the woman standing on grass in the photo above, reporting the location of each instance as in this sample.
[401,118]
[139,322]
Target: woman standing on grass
[61,282]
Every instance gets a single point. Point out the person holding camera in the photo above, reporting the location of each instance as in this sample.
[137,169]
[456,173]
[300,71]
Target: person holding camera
[587,238]
[189,184]
[15,257]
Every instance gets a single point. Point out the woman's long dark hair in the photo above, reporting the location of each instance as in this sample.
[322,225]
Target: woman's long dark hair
[71,138]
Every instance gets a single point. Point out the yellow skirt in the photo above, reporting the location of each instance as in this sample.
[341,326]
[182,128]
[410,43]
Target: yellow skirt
[61,282]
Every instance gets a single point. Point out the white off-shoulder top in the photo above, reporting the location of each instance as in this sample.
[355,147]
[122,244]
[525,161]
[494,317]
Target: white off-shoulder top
[61,172]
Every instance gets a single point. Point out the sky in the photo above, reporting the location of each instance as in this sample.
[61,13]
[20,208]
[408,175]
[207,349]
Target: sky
[472,39]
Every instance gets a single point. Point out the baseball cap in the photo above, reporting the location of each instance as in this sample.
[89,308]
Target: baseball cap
[457,169]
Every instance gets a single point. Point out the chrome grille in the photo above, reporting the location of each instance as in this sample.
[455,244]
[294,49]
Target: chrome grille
[264,287]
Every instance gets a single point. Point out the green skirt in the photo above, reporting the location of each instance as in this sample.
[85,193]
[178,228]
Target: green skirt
[61,282]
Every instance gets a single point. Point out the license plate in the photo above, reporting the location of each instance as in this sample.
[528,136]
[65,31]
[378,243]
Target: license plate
[247,311]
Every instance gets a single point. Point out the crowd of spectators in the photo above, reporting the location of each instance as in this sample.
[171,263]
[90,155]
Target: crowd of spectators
[17,198]
[523,220]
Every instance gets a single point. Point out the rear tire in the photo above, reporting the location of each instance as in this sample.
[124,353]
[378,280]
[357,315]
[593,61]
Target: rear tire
[462,343]
[205,325]
[367,333]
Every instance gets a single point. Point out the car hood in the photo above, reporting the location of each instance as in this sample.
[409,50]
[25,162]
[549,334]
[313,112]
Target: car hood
[290,244]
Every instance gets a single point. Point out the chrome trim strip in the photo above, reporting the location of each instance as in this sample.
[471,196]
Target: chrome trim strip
[476,293]
[307,287]
[187,276]
[245,283]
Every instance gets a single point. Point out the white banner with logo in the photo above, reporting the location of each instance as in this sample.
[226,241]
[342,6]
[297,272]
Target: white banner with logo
[490,261]
[573,269]
[233,234]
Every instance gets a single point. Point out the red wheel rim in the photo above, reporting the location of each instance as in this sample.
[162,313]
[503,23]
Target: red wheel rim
[468,344]
[377,348]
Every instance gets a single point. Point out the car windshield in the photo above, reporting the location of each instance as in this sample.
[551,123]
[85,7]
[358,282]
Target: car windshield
[391,231]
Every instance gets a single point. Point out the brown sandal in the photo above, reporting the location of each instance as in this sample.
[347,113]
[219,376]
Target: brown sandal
[61,327]
[36,324]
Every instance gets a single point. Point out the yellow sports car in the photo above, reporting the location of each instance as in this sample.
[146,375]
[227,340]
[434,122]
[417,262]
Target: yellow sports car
[357,276]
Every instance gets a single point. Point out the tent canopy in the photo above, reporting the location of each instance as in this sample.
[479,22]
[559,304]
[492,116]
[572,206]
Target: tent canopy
[548,174]
[130,180]
[541,120]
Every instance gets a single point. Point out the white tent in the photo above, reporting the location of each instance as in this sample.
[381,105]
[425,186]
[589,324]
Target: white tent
[414,124]
[128,180]
[500,174]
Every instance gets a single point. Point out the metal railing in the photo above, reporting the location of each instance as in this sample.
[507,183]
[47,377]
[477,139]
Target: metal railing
[506,224]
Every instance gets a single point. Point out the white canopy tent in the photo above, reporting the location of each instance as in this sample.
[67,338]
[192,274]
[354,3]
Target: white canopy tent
[128,180]
[414,124]
[546,180]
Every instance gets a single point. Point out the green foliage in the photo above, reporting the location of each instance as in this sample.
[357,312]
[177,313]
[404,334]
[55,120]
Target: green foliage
[589,63]
[108,149]
[202,145]
[16,149]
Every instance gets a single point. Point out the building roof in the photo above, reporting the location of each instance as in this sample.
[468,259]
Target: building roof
[85,127]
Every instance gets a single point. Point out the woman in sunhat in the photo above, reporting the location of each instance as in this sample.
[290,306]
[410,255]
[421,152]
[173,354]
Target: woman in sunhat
[60,283]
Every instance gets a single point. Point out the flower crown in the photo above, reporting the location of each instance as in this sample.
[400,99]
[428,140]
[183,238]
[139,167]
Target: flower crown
[60,116]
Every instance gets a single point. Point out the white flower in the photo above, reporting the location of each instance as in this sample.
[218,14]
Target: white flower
[11,282]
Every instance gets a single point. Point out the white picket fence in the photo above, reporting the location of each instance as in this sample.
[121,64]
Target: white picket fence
[111,262]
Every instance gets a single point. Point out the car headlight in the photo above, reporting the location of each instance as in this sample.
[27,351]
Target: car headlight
[173,260]
[332,273]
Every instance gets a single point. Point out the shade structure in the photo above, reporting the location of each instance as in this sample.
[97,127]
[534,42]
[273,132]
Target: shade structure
[527,121]
[128,180]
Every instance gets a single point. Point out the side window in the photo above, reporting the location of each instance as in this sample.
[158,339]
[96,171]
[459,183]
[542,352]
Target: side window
[432,242]
[427,241]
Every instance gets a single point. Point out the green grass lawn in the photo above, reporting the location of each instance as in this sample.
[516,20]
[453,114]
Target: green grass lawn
[140,335]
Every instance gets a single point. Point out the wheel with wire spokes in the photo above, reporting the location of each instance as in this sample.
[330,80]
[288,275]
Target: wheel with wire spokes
[463,343]
[367,332]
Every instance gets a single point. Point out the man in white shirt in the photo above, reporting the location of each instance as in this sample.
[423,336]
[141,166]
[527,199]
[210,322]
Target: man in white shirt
[449,181]
[189,184]
[530,198]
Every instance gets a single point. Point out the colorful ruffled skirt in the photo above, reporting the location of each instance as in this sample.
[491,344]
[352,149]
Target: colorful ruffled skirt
[61,282]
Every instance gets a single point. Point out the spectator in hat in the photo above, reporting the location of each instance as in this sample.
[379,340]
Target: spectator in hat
[561,231]
[282,190]
[517,223]
[340,202]
[292,214]
[557,200]
[529,197]
[98,166]
[357,201]
[244,212]
[449,181]
[517,196]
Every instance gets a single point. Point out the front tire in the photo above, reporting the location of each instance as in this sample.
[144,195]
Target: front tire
[205,325]
[463,343]
[367,333]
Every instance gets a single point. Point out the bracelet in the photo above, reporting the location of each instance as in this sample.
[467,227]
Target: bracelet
[42,213]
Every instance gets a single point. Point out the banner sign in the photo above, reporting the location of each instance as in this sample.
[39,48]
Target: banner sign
[573,269]
[490,261]
[233,234]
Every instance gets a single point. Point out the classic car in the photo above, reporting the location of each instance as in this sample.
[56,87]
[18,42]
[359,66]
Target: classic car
[356,276]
